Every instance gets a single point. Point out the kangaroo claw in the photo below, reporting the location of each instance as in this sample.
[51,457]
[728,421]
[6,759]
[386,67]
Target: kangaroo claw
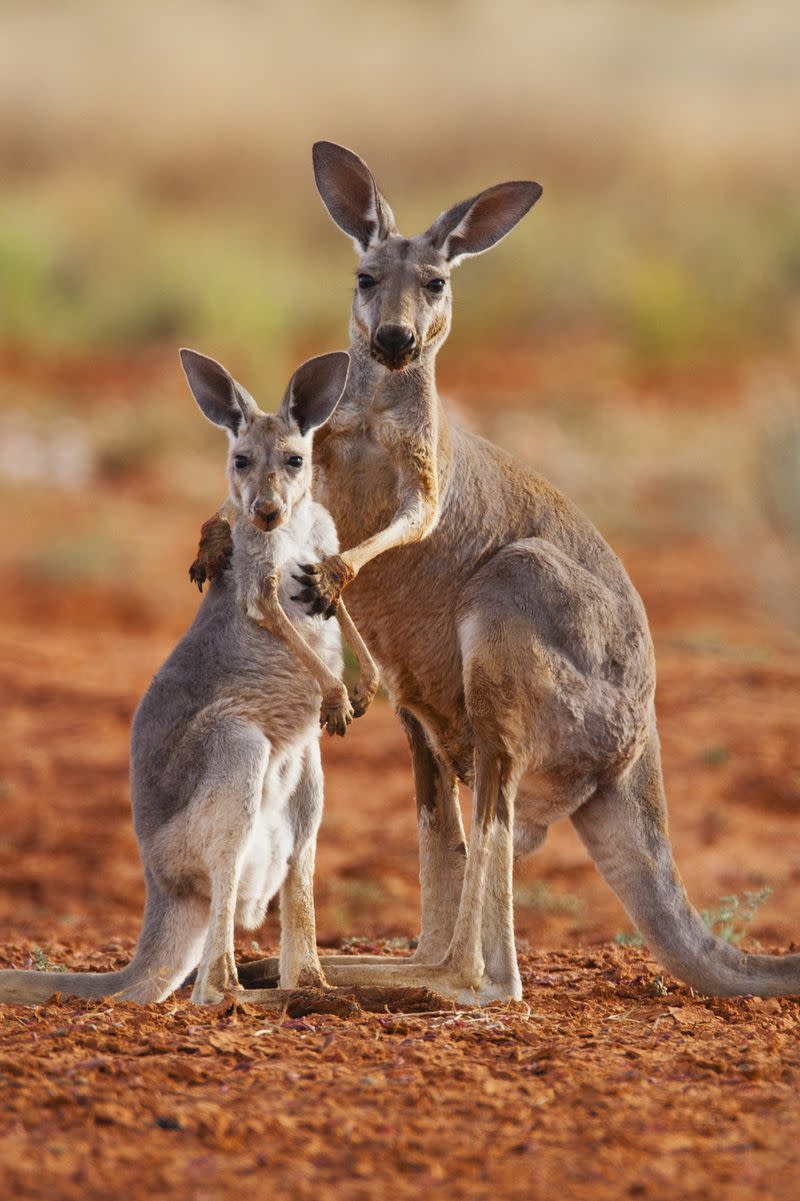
[213,553]
[336,713]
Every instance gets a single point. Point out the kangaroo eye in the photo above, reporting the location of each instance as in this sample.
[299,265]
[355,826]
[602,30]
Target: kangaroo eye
[365,282]
[295,460]
[240,462]
[435,285]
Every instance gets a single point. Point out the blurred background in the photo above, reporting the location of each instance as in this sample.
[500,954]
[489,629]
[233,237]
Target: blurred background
[637,338]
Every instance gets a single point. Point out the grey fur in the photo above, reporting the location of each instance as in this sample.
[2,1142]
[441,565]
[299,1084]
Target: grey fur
[508,633]
[226,783]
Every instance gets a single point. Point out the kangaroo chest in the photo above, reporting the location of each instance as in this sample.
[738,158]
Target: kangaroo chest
[355,477]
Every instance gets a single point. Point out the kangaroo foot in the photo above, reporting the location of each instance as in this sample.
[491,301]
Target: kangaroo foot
[260,973]
[442,978]
[215,981]
[265,973]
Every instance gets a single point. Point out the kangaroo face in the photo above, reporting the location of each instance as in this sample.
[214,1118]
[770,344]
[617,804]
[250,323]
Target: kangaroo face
[402,304]
[269,470]
[269,460]
[402,301]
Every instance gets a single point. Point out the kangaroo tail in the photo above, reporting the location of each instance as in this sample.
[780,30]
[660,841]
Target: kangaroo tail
[169,947]
[624,827]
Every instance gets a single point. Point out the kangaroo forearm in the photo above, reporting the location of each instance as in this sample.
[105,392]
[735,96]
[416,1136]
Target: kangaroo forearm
[418,513]
[411,525]
[274,620]
[366,664]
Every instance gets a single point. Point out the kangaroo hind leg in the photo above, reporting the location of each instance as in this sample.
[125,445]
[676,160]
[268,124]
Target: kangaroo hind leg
[442,854]
[299,959]
[222,817]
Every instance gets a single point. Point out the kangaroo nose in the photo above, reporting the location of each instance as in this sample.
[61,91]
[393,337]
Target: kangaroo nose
[393,340]
[267,516]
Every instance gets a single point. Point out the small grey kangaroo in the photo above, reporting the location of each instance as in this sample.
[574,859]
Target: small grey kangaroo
[510,638]
[226,782]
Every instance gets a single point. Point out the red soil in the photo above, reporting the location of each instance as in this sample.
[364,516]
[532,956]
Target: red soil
[610,1080]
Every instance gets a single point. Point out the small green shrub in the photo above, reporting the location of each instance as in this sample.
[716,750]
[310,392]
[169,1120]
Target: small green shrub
[628,938]
[733,915]
[42,963]
[544,899]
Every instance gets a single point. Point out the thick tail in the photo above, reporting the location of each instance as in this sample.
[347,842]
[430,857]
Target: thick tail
[168,948]
[625,831]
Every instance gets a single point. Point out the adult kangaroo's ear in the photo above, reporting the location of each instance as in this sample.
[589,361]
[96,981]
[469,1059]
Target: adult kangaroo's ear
[315,390]
[351,195]
[479,223]
[220,398]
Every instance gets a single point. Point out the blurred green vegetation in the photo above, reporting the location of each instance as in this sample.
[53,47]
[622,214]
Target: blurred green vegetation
[156,178]
[88,268]
[637,337]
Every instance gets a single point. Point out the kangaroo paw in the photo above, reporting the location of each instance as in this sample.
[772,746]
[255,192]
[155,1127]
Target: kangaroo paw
[336,712]
[213,553]
[324,583]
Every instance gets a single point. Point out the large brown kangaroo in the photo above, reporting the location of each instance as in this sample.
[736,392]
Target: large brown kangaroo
[510,638]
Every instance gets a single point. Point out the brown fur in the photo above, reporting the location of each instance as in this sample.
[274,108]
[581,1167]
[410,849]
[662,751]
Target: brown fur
[508,634]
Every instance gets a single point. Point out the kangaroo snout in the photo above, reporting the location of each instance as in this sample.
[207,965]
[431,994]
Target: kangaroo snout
[267,515]
[394,344]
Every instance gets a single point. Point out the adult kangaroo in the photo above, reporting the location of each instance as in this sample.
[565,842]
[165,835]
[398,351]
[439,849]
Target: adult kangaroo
[508,634]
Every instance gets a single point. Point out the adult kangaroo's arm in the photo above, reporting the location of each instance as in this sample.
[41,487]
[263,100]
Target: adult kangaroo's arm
[415,457]
[416,517]
[215,547]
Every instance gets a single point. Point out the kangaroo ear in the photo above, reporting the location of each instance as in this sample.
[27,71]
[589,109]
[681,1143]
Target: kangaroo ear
[479,223]
[220,398]
[351,195]
[315,389]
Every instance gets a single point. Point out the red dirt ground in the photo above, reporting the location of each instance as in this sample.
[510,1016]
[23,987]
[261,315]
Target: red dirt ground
[608,1081]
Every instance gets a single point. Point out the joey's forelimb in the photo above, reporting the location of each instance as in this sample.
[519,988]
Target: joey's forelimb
[337,708]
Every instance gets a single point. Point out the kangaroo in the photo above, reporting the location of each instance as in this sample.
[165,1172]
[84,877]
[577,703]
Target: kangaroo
[226,781]
[509,636]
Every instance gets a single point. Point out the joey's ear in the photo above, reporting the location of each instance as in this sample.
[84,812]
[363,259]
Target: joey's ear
[314,390]
[351,195]
[220,398]
[479,223]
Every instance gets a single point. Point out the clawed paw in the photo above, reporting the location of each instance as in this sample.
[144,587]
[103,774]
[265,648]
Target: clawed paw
[323,584]
[213,553]
[362,697]
[336,713]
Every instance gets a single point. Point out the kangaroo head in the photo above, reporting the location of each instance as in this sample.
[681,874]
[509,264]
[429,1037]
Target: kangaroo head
[402,304]
[269,460]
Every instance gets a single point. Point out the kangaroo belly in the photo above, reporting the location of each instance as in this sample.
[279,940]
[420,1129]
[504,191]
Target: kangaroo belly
[272,841]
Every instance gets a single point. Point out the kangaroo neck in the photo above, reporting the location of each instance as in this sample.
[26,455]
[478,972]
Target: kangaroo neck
[384,421]
[408,400]
[257,553]
[370,386]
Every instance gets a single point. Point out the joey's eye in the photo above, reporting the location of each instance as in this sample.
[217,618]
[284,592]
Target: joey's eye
[435,285]
[240,462]
[365,282]
[295,460]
